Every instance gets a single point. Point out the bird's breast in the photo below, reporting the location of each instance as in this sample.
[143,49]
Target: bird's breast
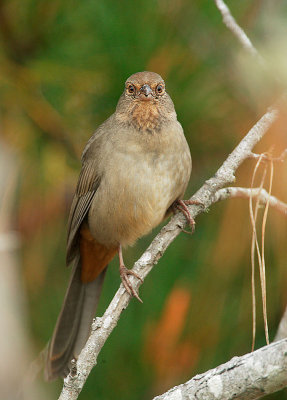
[138,186]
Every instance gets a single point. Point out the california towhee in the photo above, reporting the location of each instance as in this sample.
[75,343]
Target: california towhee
[135,169]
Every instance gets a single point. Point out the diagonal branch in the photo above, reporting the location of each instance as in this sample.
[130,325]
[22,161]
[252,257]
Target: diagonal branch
[231,24]
[102,327]
[251,376]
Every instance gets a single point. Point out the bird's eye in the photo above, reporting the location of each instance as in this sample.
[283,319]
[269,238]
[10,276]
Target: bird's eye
[160,89]
[131,89]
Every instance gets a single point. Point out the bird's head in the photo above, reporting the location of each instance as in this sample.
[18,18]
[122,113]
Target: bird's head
[145,102]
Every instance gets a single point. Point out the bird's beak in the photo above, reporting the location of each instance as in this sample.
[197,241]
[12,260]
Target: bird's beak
[146,90]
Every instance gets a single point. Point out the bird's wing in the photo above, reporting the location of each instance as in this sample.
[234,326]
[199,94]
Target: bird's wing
[87,186]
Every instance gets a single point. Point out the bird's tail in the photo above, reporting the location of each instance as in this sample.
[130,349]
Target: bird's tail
[74,323]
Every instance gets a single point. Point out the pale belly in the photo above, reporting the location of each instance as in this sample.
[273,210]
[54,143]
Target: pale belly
[133,198]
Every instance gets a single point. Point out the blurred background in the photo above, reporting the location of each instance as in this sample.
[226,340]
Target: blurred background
[63,65]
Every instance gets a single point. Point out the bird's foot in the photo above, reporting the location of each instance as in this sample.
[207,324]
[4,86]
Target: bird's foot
[124,273]
[181,205]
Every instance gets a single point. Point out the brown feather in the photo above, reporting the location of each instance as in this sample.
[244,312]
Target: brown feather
[87,186]
[94,256]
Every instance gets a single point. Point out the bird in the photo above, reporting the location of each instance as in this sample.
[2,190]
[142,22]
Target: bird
[134,172]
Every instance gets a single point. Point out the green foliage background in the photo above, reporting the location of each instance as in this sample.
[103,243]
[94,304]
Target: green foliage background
[62,68]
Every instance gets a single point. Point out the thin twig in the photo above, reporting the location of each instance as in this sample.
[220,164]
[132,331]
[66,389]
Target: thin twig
[264,197]
[231,24]
[255,244]
[264,292]
[234,192]
[269,157]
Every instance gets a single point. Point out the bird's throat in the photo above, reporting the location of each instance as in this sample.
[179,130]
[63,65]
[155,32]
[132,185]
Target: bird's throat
[145,116]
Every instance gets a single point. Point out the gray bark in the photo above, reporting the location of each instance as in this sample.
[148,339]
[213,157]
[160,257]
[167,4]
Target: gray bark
[251,376]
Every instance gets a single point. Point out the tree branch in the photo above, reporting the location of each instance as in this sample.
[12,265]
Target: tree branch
[251,376]
[231,24]
[246,193]
[102,327]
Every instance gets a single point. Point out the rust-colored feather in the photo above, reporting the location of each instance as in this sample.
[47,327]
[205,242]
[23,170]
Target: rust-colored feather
[94,256]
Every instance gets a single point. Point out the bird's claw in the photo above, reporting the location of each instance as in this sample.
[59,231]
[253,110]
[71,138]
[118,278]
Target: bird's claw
[195,202]
[124,272]
[182,206]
